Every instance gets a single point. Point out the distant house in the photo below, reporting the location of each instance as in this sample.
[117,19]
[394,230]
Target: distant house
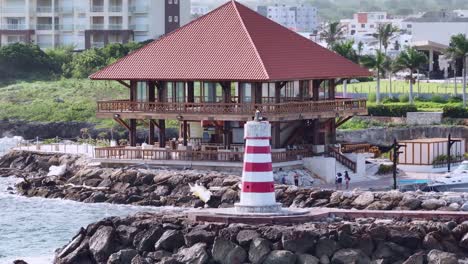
[298,18]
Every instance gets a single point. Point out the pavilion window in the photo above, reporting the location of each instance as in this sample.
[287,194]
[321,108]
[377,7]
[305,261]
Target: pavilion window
[246,92]
[212,92]
[142,91]
[197,92]
[324,90]
[268,92]
[179,92]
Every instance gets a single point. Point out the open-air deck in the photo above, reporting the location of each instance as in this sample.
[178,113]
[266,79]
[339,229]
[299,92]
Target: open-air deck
[231,111]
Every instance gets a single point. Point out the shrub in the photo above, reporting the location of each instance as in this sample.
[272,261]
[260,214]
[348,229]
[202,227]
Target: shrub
[390,100]
[455,99]
[384,169]
[372,97]
[391,110]
[438,99]
[24,61]
[404,98]
[455,111]
[420,99]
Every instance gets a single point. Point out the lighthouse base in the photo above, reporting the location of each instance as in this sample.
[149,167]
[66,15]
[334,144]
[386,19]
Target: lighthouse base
[264,209]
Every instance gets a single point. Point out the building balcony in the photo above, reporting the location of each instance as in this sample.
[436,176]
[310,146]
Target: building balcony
[68,27]
[97,26]
[140,27]
[115,26]
[232,111]
[44,9]
[139,9]
[44,27]
[115,8]
[14,26]
[97,9]
[9,10]
[65,9]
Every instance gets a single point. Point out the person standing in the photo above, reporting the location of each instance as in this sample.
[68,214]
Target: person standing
[338,181]
[347,179]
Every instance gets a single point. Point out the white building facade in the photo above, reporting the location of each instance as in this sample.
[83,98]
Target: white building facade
[86,24]
[299,18]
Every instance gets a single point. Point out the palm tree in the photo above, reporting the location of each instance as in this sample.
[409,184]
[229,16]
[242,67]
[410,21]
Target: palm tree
[376,63]
[412,60]
[346,50]
[390,68]
[385,32]
[458,49]
[332,33]
[360,48]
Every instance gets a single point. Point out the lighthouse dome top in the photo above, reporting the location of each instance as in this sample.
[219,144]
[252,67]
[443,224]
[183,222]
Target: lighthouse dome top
[257,130]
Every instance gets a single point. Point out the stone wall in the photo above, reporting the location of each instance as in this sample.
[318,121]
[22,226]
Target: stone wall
[385,135]
[149,238]
[424,118]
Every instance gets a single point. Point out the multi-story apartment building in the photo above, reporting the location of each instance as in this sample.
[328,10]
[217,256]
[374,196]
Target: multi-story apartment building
[89,23]
[199,10]
[298,18]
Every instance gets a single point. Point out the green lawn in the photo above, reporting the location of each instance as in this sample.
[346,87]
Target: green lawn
[62,100]
[402,87]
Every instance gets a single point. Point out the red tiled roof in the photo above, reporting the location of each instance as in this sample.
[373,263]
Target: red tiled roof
[231,43]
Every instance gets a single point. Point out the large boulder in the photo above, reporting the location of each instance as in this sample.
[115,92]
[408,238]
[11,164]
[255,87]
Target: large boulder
[170,240]
[350,256]
[307,259]
[433,204]
[280,257]
[102,244]
[464,241]
[417,258]
[259,250]
[432,241]
[464,207]
[199,236]
[145,240]
[299,240]
[244,237]
[406,238]
[363,200]
[126,234]
[439,257]
[227,252]
[195,254]
[325,246]
[124,256]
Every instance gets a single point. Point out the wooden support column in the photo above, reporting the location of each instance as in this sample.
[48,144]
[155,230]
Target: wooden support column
[151,98]
[257,92]
[276,126]
[133,123]
[315,131]
[226,93]
[161,122]
[331,89]
[332,131]
[190,92]
[316,90]
[185,132]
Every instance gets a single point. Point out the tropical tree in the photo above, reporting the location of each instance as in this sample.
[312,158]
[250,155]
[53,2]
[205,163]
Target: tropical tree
[390,69]
[332,33]
[458,49]
[411,59]
[385,32]
[360,48]
[346,50]
[376,63]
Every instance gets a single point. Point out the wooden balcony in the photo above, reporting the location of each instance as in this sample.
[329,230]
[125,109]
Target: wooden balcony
[231,111]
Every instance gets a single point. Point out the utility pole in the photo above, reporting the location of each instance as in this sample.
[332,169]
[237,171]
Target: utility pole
[450,143]
[396,152]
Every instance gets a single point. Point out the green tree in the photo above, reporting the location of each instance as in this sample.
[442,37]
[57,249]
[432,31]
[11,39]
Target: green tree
[86,63]
[412,60]
[60,57]
[390,69]
[332,33]
[385,33]
[346,50]
[376,63]
[458,49]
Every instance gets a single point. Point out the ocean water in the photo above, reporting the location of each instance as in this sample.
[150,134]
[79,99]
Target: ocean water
[33,228]
[6,143]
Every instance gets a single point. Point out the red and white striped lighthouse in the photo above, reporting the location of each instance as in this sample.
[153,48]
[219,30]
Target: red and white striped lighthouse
[258,188]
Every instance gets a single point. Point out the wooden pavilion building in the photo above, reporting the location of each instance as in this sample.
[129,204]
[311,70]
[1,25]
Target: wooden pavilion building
[213,74]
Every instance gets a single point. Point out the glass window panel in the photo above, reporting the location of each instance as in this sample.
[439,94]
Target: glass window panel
[209,90]
[246,92]
[142,91]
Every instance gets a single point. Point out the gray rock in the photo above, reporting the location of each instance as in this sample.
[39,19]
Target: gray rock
[259,249]
[464,241]
[324,260]
[431,241]
[299,241]
[126,234]
[102,243]
[410,203]
[439,257]
[325,246]
[306,259]
[280,257]
[390,252]
[195,254]
[170,240]
[406,238]
[244,237]
[158,255]
[365,244]
[350,256]
[139,260]
[145,240]
[433,204]
[226,252]
[124,256]
[464,207]
[199,236]
[363,200]
[417,258]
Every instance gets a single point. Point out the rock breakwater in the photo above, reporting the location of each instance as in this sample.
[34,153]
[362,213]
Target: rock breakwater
[151,238]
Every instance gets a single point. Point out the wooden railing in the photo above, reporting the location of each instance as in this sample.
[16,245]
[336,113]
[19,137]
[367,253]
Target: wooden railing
[126,153]
[231,108]
[335,153]
[355,148]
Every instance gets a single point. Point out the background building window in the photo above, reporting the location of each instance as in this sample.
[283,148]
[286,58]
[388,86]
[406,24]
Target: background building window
[169,19]
[176,19]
